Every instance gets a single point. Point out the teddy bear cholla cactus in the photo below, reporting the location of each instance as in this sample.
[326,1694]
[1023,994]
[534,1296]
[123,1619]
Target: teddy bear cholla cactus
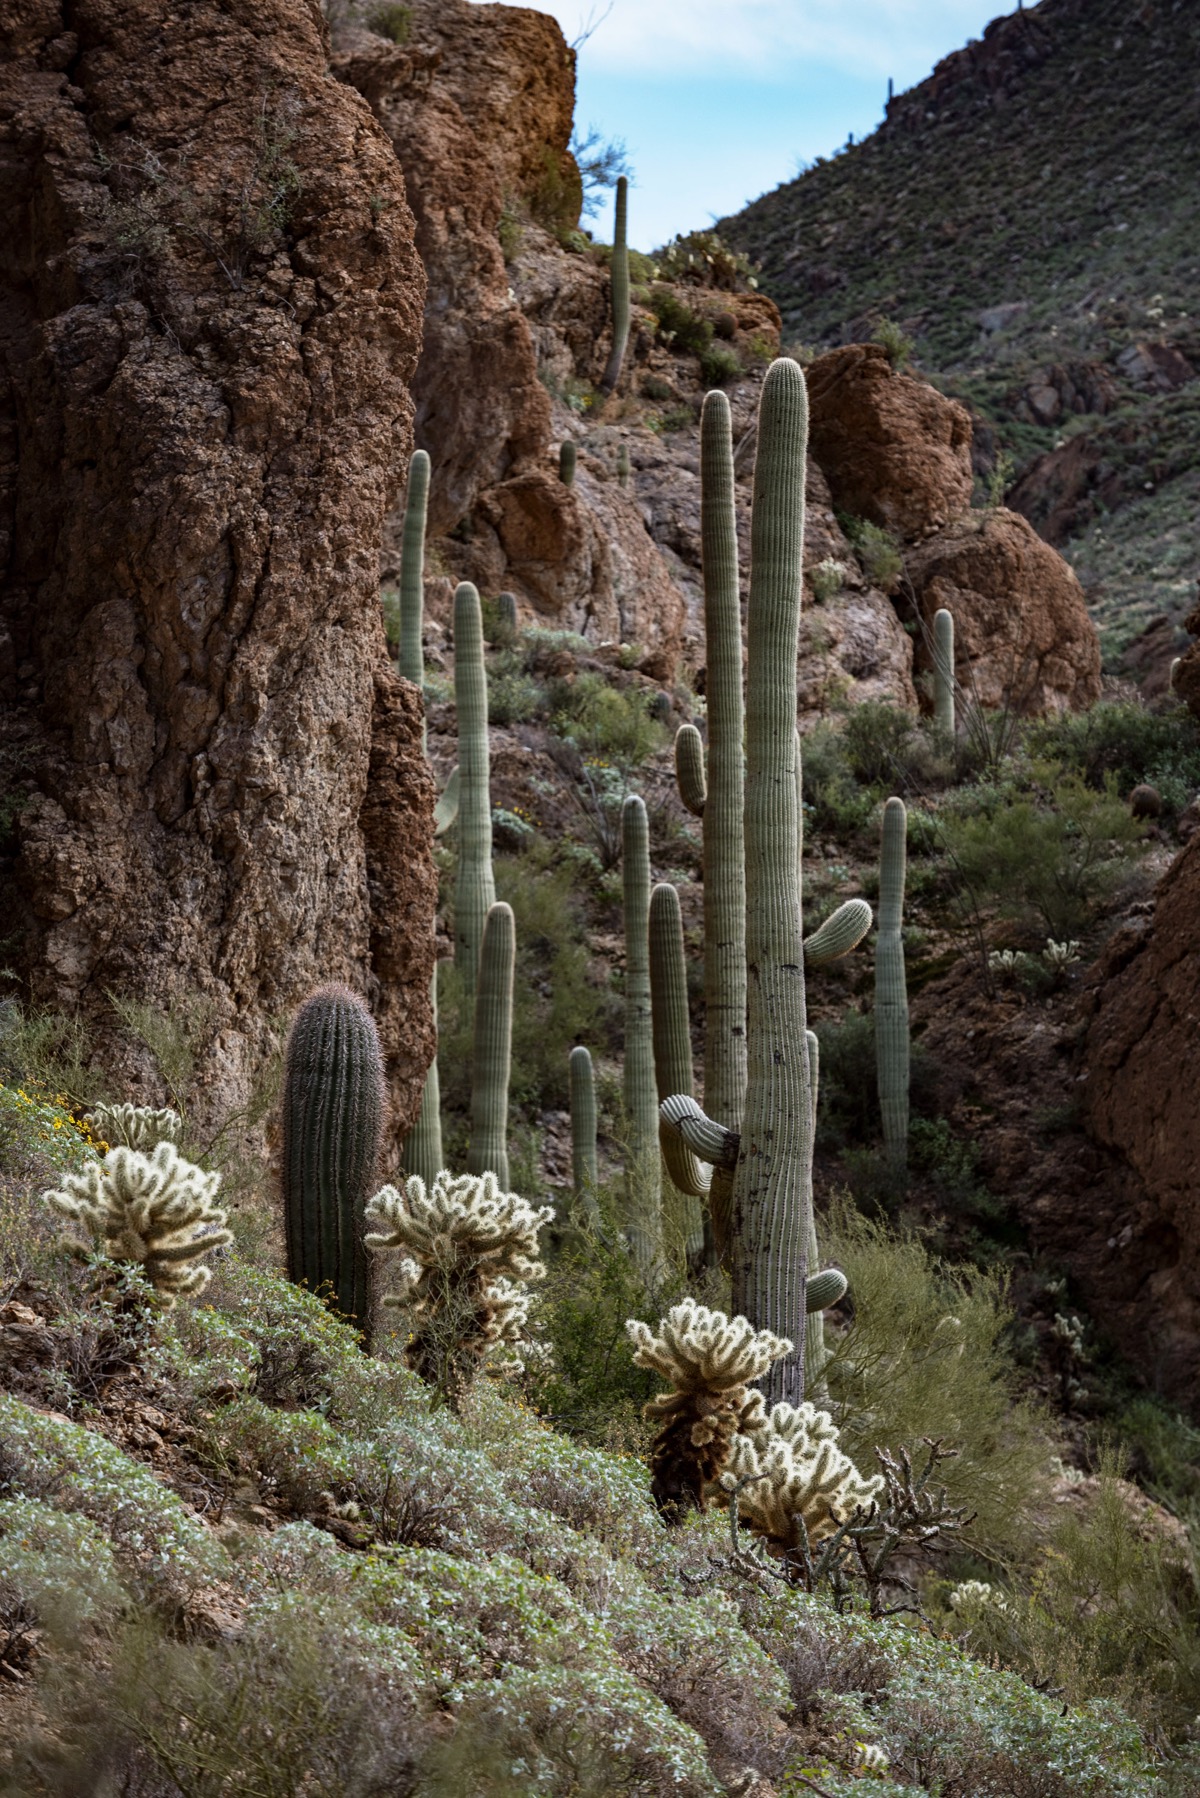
[135,1126]
[471,1249]
[794,1485]
[155,1210]
[710,1361]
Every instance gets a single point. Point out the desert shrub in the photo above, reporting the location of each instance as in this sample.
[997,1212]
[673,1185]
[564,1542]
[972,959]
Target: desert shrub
[49,1053]
[877,551]
[683,330]
[56,1570]
[40,1134]
[609,723]
[927,1355]
[848,1100]
[718,364]
[897,346]
[1052,858]
[834,800]
[827,578]
[393,22]
[701,259]
[1123,740]
[514,697]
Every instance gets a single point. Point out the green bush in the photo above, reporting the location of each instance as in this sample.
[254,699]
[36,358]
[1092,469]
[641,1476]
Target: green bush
[609,723]
[898,347]
[1124,741]
[701,259]
[683,330]
[877,551]
[392,22]
[1051,859]
[718,364]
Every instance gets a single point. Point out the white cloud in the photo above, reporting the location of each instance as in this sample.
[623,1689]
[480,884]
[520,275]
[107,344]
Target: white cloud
[863,37]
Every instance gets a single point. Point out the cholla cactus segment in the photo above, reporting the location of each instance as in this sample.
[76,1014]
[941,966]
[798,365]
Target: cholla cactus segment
[972,1596]
[155,1210]
[790,1475]
[135,1126]
[1059,956]
[827,578]
[709,1360]
[471,1249]
[1003,961]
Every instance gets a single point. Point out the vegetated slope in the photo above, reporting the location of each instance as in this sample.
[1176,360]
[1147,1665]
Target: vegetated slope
[1026,214]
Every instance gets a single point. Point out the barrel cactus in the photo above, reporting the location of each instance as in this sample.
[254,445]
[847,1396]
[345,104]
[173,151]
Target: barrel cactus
[333,1106]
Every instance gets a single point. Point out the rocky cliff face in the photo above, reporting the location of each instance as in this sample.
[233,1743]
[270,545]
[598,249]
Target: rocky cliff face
[210,309]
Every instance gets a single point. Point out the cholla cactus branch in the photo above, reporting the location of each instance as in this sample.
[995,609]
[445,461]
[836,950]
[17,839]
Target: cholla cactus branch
[135,1126]
[797,1484]
[470,1250]
[153,1210]
[710,1361]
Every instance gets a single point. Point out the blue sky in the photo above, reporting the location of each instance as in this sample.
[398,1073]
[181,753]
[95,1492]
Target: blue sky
[718,100]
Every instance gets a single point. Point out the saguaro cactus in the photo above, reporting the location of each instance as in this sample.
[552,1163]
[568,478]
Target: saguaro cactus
[333,1102]
[566,462]
[673,1050]
[769,1223]
[620,291]
[506,611]
[826,1288]
[643,1179]
[492,1055]
[891,994]
[412,569]
[623,469]
[475,888]
[585,1171]
[943,670]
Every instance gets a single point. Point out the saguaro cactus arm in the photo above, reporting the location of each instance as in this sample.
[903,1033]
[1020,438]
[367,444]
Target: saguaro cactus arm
[673,1043]
[445,812]
[842,931]
[689,769]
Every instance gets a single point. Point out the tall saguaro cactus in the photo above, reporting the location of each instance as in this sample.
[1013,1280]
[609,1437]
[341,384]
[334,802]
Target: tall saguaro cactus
[891,993]
[333,1103]
[492,1056]
[620,290]
[643,1179]
[475,888]
[769,1222]
[585,1168]
[412,570]
[943,670]
[673,1050]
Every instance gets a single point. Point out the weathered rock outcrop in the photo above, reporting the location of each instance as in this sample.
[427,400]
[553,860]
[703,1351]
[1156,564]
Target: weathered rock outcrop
[893,449]
[209,312]
[1140,1102]
[1023,636]
[1186,683]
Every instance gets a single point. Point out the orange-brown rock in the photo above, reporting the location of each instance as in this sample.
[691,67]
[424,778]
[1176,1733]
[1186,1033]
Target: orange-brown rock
[210,308]
[893,449]
[1022,634]
[1140,1102]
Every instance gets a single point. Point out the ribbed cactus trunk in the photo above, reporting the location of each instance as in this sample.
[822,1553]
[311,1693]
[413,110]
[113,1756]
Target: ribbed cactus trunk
[412,570]
[943,670]
[724,847]
[491,1059]
[566,462]
[475,888]
[643,1177]
[769,1224]
[620,290]
[671,1029]
[891,992]
[815,1355]
[423,1145]
[333,1105]
[585,1167]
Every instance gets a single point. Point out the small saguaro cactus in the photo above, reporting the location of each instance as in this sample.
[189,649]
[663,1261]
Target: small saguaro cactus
[689,769]
[623,468]
[492,1057]
[412,569]
[672,1036]
[475,887]
[333,1105]
[585,1170]
[566,462]
[943,670]
[155,1211]
[643,1178]
[620,290]
[506,611]
[891,993]
[829,1286]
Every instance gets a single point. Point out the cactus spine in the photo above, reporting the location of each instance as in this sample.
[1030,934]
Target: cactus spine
[891,995]
[673,1050]
[412,570]
[620,291]
[333,1101]
[585,1170]
[566,462]
[492,1055]
[643,1178]
[769,1223]
[943,670]
[475,889]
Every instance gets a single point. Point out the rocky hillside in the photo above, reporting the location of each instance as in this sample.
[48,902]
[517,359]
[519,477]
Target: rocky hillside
[1025,215]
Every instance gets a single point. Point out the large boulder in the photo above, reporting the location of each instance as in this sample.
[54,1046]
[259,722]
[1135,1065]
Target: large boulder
[894,450]
[1140,1101]
[1022,634]
[210,310]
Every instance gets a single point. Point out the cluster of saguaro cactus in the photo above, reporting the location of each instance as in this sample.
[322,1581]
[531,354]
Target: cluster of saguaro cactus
[620,290]
[333,1102]
[891,993]
[155,1211]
